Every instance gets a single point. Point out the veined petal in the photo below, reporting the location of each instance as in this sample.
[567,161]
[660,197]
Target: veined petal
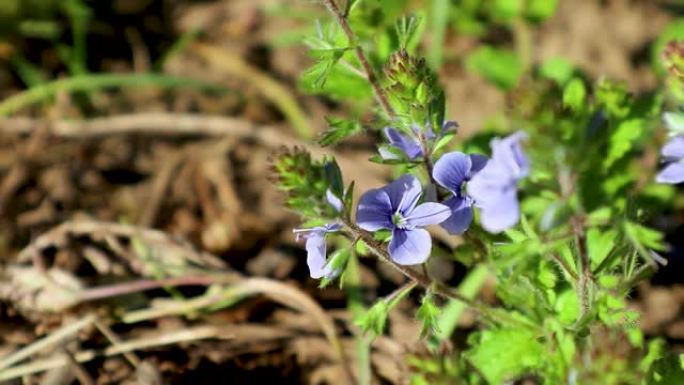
[410,247]
[404,193]
[451,170]
[316,255]
[478,163]
[461,215]
[674,148]
[410,146]
[374,211]
[429,213]
[673,173]
[502,214]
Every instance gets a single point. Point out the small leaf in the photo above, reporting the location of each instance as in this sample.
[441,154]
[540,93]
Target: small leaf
[375,319]
[541,10]
[428,313]
[557,69]
[622,140]
[338,130]
[574,94]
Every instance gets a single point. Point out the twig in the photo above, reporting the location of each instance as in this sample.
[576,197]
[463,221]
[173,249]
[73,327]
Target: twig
[58,336]
[370,73]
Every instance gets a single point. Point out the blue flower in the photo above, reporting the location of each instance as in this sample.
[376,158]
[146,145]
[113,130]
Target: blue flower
[316,249]
[673,152]
[410,145]
[452,171]
[395,207]
[494,188]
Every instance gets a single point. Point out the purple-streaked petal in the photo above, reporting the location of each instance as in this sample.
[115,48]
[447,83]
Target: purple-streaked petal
[509,154]
[478,163]
[410,247]
[316,254]
[374,211]
[426,214]
[674,148]
[410,146]
[498,216]
[673,173]
[451,170]
[461,215]
[404,194]
[334,201]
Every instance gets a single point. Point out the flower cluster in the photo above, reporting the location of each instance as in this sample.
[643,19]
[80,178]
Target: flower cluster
[471,180]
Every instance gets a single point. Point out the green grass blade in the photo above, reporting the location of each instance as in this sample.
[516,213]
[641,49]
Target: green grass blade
[440,18]
[92,82]
[452,311]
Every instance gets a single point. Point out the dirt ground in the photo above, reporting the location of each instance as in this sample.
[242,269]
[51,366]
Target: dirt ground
[164,184]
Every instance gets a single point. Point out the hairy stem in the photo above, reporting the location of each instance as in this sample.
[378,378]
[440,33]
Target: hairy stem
[361,56]
[585,278]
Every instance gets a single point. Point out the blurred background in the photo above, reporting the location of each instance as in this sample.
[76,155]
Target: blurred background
[135,138]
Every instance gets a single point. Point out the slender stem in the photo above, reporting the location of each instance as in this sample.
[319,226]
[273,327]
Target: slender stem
[361,56]
[585,275]
[438,288]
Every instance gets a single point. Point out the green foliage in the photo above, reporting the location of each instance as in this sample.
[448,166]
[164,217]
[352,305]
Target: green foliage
[338,130]
[668,370]
[574,95]
[499,66]
[306,181]
[505,354]
[428,314]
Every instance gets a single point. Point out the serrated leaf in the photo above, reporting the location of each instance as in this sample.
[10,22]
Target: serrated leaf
[505,354]
[374,319]
[622,140]
[428,313]
[338,130]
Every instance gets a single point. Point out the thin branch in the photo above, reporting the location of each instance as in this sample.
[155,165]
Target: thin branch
[370,73]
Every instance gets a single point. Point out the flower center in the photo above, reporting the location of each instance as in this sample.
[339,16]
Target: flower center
[398,220]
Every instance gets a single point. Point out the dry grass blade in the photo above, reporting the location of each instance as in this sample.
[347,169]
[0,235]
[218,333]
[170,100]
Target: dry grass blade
[166,338]
[67,331]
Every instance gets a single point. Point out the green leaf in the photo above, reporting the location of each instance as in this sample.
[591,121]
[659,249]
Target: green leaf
[674,122]
[622,140]
[540,10]
[338,130]
[574,94]
[500,67]
[599,244]
[428,313]
[668,370]
[557,69]
[506,10]
[505,354]
[319,72]
[406,28]
[375,319]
